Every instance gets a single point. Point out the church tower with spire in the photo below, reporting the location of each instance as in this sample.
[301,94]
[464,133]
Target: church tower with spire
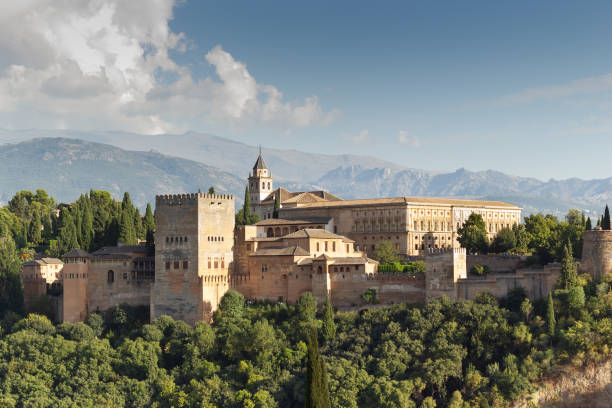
[260,182]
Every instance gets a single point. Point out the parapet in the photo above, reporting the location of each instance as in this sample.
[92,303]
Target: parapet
[179,199]
[443,251]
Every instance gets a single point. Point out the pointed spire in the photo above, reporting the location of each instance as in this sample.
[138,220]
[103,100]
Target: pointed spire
[260,164]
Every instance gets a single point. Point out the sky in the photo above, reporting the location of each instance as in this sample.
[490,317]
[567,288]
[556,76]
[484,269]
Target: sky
[521,87]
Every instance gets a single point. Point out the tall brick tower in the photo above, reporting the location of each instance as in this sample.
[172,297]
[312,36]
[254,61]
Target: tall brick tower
[193,254]
[260,182]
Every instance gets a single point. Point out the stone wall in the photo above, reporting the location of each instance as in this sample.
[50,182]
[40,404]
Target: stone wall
[538,283]
[109,283]
[497,263]
[390,288]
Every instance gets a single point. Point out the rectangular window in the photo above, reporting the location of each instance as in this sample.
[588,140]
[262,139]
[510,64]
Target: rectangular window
[334,246]
[325,246]
[185,264]
[318,247]
[167,265]
[124,275]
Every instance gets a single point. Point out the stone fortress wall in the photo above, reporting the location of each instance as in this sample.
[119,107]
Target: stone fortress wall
[318,244]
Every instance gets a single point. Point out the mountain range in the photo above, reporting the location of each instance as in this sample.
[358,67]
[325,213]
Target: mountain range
[68,163]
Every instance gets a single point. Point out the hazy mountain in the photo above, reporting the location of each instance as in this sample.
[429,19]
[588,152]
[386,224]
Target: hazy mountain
[68,167]
[226,154]
[533,195]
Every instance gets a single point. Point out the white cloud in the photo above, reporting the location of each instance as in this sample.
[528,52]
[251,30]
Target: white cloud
[100,63]
[404,138]
[360,138]
[583,86]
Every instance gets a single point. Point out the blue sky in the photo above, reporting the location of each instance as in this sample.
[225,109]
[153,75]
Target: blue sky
[519,87]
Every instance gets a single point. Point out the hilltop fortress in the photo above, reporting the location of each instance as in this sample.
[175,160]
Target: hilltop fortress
[317,243]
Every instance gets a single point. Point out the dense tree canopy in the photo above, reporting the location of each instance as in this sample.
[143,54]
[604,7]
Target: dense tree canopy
[473,234]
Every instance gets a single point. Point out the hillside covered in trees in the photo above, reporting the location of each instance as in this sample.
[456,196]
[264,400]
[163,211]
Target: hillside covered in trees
[444,353]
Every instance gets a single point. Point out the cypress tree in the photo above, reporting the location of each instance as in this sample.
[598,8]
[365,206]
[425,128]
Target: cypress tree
[149,223]
[588,225]
[127,232]
[67,237]
[328,327]
[317,391]
[34,233]
[550,316]
[569,273]
[598,221]
[276,204]
[583,220]
[87,226]
[47,225]
[605,224]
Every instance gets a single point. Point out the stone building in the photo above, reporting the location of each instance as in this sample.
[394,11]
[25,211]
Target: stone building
[194,241]
[87,283]
[263,196]
[413,224]
[41,277]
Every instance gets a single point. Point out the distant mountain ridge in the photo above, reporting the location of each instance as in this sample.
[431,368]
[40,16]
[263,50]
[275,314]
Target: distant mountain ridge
[68,167]
[58,164]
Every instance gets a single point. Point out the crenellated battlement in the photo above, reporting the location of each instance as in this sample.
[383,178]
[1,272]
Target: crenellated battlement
[442,251]
[179,199]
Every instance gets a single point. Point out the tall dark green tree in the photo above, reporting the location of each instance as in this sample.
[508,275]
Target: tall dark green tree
[328,327]
[550,316]
[317,390]
[244,216]
[127,232]
[11,289]
[148,224]
[473,234]
[34,232]
[569,272]
[67,236]
[276,204]
[211,190]
[587,225]
[605,223]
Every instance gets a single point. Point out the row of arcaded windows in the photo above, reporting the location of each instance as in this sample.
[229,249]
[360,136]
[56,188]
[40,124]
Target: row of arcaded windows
[374,227]
[216,262]
[176,265]
[416,246]
[263,185]
[333,246]
[215,238]
[176,240]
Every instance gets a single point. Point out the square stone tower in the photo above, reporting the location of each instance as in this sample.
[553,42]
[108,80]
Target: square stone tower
[443,268]
[193,254]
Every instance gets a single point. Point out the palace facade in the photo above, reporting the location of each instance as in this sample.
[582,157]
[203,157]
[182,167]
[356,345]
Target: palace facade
[414,225]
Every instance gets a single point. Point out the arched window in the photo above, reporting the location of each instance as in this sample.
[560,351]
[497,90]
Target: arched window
[270,233]
[111,276]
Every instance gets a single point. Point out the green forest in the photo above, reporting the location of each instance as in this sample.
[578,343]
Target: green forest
[482,353]
[457,354]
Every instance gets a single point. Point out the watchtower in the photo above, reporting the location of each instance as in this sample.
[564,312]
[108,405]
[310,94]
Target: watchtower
[193,254]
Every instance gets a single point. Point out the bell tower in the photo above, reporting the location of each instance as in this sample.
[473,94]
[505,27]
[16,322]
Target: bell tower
[260,181]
